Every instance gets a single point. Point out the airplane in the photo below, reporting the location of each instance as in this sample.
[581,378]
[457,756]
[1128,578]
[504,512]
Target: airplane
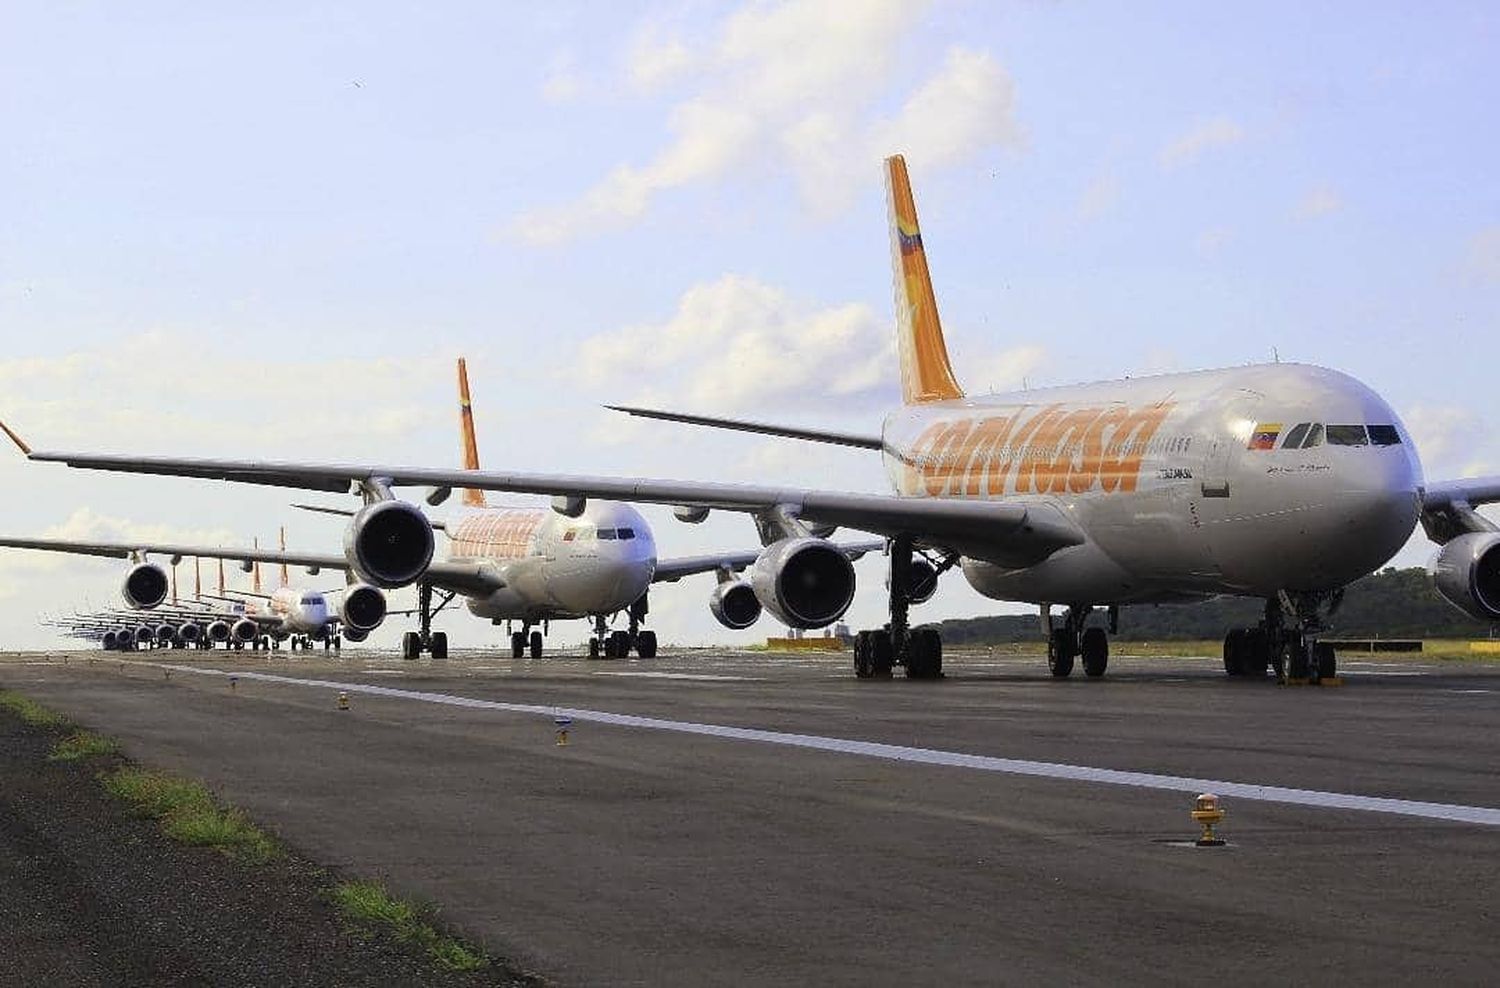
[1284,482]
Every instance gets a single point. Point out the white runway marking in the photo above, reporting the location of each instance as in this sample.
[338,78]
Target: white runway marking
[1483,815]
[706,677]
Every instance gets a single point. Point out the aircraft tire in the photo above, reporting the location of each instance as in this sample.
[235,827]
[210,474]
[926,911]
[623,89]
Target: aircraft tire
[1095,652]
[863,668]
[411,645]
[439,644]
[517,645]
[1232,651]
[925,660]
[618,645]
[882,654]
[1060,654]
[536,644]
[1325,661]
[1255,654]
[645,644]
[593,648]
[1294,654]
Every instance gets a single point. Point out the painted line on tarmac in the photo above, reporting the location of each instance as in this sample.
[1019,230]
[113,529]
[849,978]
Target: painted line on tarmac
[702,677]
[1455,812]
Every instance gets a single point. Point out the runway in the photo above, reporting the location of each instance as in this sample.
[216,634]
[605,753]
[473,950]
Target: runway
[730,818]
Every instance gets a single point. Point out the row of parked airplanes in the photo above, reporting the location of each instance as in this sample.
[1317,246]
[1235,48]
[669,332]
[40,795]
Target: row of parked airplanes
[1282,482]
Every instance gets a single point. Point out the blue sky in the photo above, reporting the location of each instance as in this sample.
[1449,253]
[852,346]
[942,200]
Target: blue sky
[270,232]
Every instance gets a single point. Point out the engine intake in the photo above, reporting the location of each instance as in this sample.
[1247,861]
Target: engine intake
[1467,573]
[389,544]
[189,632]
[734,605]
[244,630]
[921,581]
[804,582]
[165,634]
[145,586]
[218,631]
[355,635]
[362,607]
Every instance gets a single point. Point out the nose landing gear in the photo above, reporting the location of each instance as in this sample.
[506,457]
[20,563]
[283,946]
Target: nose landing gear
[618,644]
[1286,641]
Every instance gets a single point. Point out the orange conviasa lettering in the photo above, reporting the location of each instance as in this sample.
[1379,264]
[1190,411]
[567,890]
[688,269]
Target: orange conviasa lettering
[1087,473]
[988,434]
[1056,475]
[1121,465]
[1036,463]
[940,467]
[912,466]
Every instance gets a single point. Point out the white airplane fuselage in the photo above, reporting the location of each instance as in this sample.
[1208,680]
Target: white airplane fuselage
[555,567]
[1184,484]
[302,612]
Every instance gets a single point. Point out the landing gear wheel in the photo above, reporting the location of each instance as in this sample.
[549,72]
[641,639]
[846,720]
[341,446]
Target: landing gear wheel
[517,644]
[1233,646]
[338,643]
[1255,653]
[1294,655]
[1324,661]
[925,658]
[536,644]
[863,669]
[645,644]
[411,645]
[593,648]
[882,653]
[1060,653]
[617,646]
[1095,652]
[439,645]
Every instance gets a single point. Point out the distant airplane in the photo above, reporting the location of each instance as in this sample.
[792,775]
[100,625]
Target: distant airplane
[1279,481]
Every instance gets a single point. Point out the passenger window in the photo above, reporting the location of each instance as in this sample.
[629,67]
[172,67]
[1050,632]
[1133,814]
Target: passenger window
[1314,436]
[627,533]
[606,534]
[1385,435]
[1347,435]
[1294,438]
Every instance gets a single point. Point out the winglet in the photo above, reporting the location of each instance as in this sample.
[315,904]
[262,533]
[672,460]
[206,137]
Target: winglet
[926,374]
[20,443]
[472,498]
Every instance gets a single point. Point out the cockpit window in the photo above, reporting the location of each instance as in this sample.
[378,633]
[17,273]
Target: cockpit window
[1347,435]
[1385,435]
[606,534]
[309,599]
[1294,438]
[1314,436]
[627,533]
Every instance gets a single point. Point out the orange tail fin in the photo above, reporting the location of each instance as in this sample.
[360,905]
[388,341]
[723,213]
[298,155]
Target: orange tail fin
[285,579]
[255,568]
[472,498]
[926,374]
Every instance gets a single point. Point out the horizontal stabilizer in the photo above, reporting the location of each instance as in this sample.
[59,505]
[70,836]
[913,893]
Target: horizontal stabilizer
[863,441]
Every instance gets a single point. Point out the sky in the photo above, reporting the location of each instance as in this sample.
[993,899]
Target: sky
[270,232]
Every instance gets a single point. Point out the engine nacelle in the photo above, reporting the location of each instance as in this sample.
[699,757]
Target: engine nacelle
[361,608]
[189,633]
[734,605]
[804,582]
[354,635]
[389,544]
[164,633]
[244,630]
[218,631]
[145,586]
[109,640]
[142,636]
[921,581]
[1467,573]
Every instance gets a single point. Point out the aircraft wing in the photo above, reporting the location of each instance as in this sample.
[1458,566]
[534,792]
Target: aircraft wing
[672,570]
[125,550]
[472,579]
[860,440]
[1008,533]
[1448,507]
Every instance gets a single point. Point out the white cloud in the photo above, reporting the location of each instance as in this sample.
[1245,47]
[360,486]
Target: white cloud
[1319,202]
[1009,370]
[1216,133]
[564,83]
[796,86]
[1452,441]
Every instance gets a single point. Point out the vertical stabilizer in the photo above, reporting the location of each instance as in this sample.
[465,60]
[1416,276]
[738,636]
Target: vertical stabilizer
[926,374]
[255,568]
[221,576]
[472,498]
[285,579]
[197,578]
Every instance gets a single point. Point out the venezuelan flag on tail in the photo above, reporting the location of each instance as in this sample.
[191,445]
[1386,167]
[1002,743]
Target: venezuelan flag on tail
[472,498]
[926,374]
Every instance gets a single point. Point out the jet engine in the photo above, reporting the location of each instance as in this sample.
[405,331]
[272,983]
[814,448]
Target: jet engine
[108,641]
[164,634]
[921,581]
[145,586]
[244,630]
[804,582]
[189,633]
[218,630]
[734,604]
[389,544]
[361,607]
[354,635]
[1467,573]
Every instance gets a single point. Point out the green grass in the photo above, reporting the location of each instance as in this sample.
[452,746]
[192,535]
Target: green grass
[30,711]
[368,903]
[189,814]
[81,745]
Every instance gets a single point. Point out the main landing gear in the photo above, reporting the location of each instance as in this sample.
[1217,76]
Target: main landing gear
[920,651]
[524,641]
[414,643]
[1285,641]
[1074,641]
[618,644]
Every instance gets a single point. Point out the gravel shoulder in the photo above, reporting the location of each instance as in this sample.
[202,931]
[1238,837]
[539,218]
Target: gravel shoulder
[93,895]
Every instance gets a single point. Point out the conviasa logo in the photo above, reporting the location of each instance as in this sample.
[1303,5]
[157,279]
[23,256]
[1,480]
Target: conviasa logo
[1054,450]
